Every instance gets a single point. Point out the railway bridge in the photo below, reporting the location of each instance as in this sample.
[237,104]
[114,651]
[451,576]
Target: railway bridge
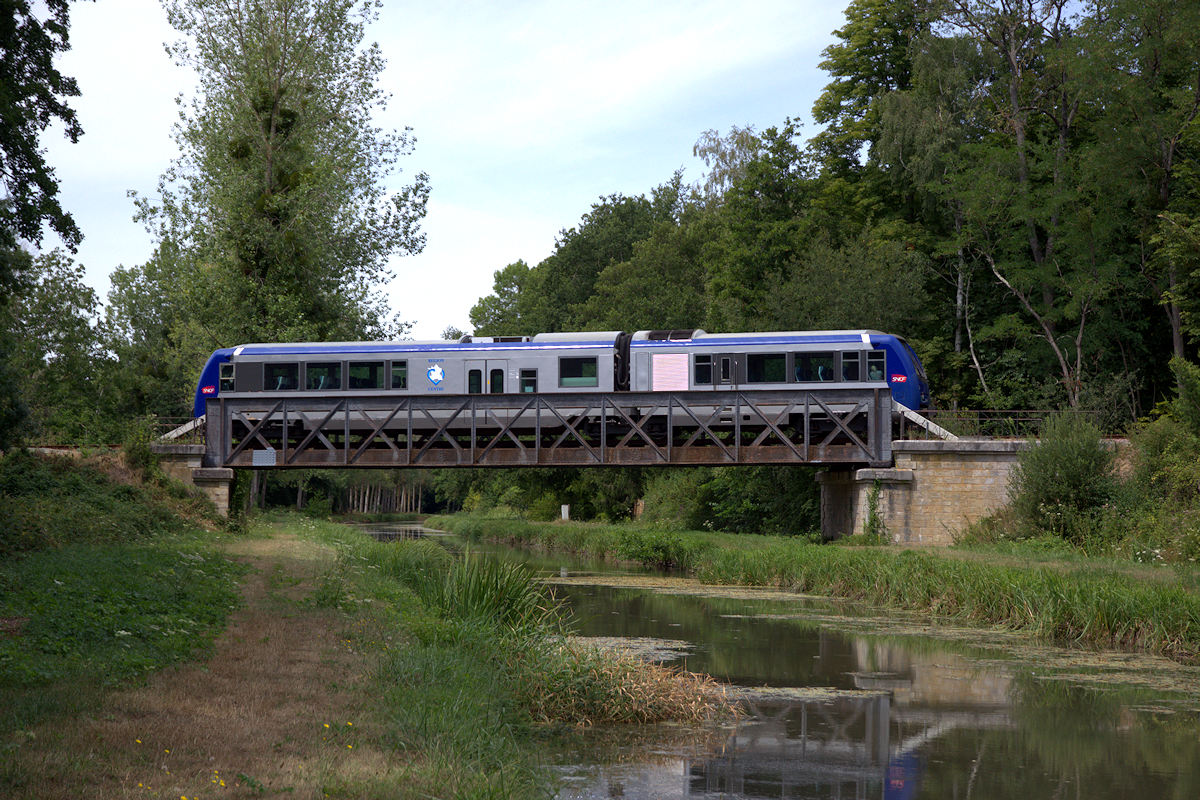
[920,491]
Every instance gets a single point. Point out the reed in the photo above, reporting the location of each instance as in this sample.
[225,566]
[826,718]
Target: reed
[576,683]
[1090,606]
[499,613]
[1064,600]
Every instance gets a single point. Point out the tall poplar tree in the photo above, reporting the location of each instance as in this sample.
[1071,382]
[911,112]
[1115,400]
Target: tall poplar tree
[278,220]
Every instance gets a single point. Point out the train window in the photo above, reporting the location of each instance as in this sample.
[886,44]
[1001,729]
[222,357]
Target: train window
[496,381]
[814,367]
[876,365]
[703,371]
[850,366]
[766,368]
[726,369]
[578,372]
[529,381]
[474,381]
[399,374]
[323,376]
[226,375]
[365,375]
[281,377]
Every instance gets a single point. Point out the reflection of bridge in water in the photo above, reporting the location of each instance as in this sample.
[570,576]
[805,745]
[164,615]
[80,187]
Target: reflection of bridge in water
[863,744]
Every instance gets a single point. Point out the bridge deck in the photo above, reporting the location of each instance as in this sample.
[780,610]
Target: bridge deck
[734,427]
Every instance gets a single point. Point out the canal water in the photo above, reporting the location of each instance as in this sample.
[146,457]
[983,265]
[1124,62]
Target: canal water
[841,702]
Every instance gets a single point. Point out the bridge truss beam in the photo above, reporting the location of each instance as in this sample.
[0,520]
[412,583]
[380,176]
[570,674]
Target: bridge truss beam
[507,430]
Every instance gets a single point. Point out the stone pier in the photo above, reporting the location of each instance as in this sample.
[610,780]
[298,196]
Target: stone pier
[184,462]
[935,490]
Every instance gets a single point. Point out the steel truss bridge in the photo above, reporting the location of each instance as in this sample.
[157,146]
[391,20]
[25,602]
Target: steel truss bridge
[821,426]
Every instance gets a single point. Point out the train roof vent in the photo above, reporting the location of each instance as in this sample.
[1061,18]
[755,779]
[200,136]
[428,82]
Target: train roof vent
[676,335]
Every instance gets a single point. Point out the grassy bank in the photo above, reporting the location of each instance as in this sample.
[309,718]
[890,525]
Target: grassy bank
[473,671]
[101,582]
[680,550]
[1096,604]
[349,668]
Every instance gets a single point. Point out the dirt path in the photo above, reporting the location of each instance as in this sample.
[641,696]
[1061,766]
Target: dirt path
[275,711]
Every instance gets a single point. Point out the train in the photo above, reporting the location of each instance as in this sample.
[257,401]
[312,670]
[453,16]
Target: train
[583,362]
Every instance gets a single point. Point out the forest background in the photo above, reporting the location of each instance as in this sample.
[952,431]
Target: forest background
[1013,186]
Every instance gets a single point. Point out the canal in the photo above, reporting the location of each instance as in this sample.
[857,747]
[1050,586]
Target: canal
[844,702]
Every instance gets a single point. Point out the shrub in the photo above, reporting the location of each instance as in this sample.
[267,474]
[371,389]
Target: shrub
[1060,483]
[51,502]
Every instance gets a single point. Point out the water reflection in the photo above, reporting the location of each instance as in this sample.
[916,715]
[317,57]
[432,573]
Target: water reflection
[895,716]
[910,716]
[393,532]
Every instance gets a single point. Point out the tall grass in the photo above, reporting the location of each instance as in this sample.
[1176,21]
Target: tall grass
[656,549]
[482,590]
[1094,607]
[1068,603]
[100,582]
[48,502]
[480,668]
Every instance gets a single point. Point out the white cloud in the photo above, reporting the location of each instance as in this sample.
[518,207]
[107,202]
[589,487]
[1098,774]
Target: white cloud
[524,112]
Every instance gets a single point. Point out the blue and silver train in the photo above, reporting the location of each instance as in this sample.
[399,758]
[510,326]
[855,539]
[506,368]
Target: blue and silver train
[612,361]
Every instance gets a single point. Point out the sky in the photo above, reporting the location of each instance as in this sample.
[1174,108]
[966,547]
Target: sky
[524,114]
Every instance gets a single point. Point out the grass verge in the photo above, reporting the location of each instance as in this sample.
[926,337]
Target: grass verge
[1068,603]
[473,669]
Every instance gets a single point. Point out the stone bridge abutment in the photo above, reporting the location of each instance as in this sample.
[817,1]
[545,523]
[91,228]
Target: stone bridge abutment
[934,491]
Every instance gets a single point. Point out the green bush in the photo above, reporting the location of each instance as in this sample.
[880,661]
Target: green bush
[51,502]
[1060,484]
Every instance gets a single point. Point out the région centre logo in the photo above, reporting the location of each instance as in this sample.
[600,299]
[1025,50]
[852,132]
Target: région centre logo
[436,374]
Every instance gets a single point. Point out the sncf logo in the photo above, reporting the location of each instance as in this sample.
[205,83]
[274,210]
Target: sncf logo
[899,378]
[208,390]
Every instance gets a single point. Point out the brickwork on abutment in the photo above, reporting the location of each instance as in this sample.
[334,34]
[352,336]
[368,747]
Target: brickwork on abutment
[954,484]
[183,463]
[935,490]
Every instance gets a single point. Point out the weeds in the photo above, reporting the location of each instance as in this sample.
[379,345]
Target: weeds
[1071,601]
[484,666]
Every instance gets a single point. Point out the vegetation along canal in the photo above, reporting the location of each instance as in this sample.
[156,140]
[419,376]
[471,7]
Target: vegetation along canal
[841,703]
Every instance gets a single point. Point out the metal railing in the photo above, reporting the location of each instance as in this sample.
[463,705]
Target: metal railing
[985,423]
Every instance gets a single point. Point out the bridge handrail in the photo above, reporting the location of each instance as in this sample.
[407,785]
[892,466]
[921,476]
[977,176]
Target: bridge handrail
[990,423]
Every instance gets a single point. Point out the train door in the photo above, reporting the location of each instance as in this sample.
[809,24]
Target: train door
[495,376]
[728,370]
[475,376]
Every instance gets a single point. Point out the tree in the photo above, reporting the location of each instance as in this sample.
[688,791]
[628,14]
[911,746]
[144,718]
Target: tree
[726,158]
[1017,184]
[1146,55]
[870,60]
[14,262]
[276,223]
[660,286]
[560,285]
[499,313]
[56,353]
[281,184]
[32,96]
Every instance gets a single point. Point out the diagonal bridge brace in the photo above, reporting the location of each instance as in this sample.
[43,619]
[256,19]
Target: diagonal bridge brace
[843,424]
[506,429]
[255,431]
[636,428]
[772,425]
[316,433]
[703,426]
[369,440]
[572,430]
[442,431]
